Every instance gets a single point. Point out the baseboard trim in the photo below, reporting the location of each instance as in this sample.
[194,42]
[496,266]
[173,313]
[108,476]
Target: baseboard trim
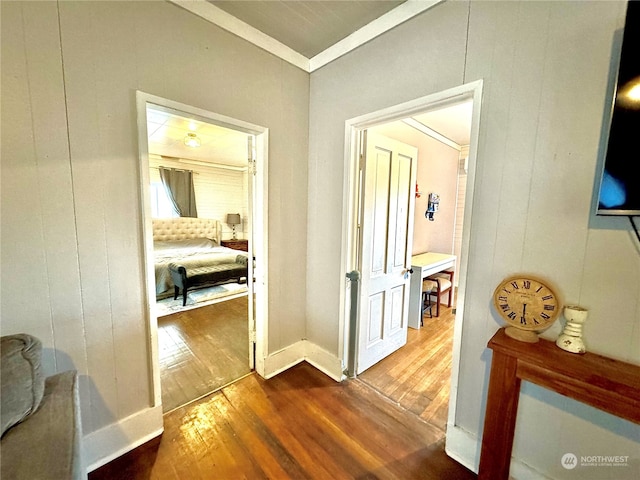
[324,361]
[300,351]
[108,443]
[284,359]
[464,448]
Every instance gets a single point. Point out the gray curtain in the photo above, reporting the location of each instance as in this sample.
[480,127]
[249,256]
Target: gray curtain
[179,187]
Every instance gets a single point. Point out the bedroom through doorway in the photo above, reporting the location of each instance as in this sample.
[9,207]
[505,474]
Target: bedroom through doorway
[198,184]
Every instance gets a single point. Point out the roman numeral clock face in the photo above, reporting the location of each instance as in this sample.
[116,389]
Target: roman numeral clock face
[526,303]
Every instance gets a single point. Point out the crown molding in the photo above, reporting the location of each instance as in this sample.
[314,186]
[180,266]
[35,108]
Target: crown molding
[373,29]
[228,22]
[377,27]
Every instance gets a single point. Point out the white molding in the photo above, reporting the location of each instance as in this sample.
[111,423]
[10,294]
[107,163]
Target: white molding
[475,90]
[259,288]
[324,361]
[112,441]
[284,359]
[460,445]
[421,127]
[228,22]
[303,350]
[375,28]
[464,448]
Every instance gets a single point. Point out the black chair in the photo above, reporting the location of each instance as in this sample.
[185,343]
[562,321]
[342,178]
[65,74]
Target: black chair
[428,287]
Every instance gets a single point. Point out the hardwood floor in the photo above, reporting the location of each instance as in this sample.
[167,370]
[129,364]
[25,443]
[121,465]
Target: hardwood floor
[298,425]
[303,425]
[417,376]
[201,350]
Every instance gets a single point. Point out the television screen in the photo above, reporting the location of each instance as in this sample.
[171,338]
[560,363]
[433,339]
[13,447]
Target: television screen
[620,185]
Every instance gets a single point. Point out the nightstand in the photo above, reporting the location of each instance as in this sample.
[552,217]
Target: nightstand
[237,244]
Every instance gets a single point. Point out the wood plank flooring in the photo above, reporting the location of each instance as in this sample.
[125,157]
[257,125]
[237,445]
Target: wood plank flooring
[202,350]
[418,376]
[298,425]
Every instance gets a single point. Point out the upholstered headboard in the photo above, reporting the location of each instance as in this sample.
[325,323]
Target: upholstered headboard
[184,228]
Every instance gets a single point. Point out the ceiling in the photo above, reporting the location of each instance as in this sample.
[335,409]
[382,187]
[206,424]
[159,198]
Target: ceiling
[316,32]
[167,130]
[308,27]
[166,133]
[453,122]
[307,34]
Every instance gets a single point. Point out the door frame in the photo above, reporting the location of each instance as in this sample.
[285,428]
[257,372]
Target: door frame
[350,213]
[258,230]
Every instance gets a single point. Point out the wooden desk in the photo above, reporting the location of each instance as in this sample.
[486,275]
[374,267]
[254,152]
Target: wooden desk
[609,385]
[423,265]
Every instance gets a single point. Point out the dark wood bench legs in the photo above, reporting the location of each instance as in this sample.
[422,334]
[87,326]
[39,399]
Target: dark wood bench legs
[176,291]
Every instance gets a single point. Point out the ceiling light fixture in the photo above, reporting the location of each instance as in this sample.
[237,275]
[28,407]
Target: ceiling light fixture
[191,140]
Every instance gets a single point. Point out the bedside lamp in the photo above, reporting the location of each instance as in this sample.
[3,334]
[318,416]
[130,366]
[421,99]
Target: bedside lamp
[233,219]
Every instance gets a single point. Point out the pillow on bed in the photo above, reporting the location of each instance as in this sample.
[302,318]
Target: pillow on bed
[188,243]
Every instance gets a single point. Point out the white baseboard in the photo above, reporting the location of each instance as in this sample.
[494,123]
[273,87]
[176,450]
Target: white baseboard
[300,351]
[112,441]
[464,448]
[284,359]
[324,361]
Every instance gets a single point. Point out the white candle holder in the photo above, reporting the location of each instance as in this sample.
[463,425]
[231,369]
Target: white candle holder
[571,337]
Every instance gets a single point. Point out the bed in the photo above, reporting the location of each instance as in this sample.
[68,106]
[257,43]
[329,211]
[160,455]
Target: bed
[190,249]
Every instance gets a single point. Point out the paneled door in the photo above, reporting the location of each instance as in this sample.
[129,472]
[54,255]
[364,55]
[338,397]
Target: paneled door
[387,206]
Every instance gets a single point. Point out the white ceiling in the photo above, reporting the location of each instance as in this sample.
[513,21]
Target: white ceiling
[166,132]
[308,27]
[453,122]
[307,34]
[314,33]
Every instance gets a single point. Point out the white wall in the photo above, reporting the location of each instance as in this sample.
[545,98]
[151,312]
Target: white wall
[545,67]
[72,268]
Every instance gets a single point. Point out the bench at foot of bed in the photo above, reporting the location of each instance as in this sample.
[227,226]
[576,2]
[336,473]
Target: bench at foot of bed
[186,278]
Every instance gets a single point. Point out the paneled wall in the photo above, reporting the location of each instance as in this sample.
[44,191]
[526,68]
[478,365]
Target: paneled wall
[219,191]
[545,68]
[72,267]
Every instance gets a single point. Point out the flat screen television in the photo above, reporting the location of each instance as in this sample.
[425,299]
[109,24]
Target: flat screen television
[619,192]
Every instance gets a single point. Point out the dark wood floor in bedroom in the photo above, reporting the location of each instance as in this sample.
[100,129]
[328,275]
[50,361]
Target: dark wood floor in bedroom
[201,350]
[302,424]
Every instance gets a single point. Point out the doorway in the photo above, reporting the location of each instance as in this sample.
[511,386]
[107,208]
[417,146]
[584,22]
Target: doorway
[354,191]
[232,306]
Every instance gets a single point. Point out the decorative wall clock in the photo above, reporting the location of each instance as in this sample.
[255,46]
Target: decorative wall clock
[528,304]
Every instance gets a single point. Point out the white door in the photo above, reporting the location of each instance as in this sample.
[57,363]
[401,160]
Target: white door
[388,200]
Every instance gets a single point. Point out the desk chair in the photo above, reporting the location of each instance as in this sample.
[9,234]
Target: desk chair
[444,281]
[428,287]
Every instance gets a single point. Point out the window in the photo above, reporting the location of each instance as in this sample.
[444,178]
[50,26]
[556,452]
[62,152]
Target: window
[161,205]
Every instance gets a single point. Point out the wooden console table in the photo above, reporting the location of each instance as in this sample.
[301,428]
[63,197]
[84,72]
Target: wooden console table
[609,385]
